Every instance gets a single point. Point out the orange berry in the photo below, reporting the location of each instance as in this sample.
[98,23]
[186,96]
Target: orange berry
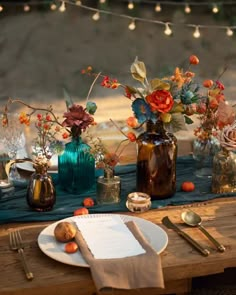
[88,202]
[208,83]
[71,247]
[193,60]
[188,186]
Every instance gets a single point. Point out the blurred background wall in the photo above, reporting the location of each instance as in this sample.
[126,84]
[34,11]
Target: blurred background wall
[44,50]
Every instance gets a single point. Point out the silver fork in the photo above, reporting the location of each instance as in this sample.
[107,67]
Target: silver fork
[17,245]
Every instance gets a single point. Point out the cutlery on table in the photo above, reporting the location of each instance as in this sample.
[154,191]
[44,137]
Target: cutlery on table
[193,219]
[169,224]
[17,245]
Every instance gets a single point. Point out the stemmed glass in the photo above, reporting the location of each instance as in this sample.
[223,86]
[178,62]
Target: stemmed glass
[13,139]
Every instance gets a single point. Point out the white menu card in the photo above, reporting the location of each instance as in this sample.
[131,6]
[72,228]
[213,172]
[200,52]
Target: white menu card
[108,237]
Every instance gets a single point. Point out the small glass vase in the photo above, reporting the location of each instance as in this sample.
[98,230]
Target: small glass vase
[108,187]
[224,172]
[203,154]
[41,193]
[156,162]
[76,167]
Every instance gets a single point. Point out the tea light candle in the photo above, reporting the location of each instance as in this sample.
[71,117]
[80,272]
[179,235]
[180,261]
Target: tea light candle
[138,202]
[4,184]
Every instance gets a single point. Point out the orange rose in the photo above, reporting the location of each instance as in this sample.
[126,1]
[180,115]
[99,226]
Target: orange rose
[161,101]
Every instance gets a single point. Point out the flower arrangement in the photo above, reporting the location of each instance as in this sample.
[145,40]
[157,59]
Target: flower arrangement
[50,127]
[214,111]
[104,158]
[169,99]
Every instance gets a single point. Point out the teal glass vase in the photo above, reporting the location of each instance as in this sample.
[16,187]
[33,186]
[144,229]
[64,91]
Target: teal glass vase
[76,167]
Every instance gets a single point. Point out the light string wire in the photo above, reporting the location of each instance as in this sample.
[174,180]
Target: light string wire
[229,28]
[135,18]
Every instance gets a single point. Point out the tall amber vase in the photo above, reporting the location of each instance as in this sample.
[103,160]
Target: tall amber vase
[156,161]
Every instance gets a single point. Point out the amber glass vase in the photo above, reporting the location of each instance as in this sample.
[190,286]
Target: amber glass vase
[156,161]
[41,193]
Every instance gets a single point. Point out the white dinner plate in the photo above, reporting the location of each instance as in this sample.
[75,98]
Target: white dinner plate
[154,234]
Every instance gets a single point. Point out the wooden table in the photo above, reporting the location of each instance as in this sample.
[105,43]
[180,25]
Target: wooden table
[180,261]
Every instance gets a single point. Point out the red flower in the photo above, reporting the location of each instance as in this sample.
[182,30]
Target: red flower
[48,118]
[220,85]
[65,135]
[78,118]
[161,101]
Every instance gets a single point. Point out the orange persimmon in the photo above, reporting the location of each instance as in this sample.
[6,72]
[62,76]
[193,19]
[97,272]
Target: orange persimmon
[187,186]
[71,247]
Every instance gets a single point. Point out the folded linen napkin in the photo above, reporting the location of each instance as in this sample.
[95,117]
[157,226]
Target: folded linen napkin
[134,272]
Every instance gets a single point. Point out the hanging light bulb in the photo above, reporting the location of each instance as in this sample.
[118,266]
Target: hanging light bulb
[187,8]
[168,30]
[96,16]
[102,1]
[26,8]
[1,8]
[229,32]
[158,7]
[215,9]
[131,5]
[132,25]
[62,8]
[196,33]
[78,3]
[53,6]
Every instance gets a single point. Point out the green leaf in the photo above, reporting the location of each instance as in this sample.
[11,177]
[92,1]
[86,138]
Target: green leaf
[188,120]
[68,99]
[138,70]
[177,108]
[177,123]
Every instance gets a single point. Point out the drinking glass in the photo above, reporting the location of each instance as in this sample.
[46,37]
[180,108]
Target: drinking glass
[13,139]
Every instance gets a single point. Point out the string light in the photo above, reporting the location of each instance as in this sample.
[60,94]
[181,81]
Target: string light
[130,5]
[196,33]
[26,8]
[229,32]
[215,9]
[132,25]
[187,8]
[62,7]
[53,6]
[158,7]
[96,16]
[168,30]
[102,1]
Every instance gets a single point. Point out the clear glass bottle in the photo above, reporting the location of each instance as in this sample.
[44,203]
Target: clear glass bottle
[156,162]
[203,154]
[224,172]
[108,187]
[76,167]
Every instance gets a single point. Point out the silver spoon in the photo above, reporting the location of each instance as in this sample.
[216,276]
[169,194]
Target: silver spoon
[193,219]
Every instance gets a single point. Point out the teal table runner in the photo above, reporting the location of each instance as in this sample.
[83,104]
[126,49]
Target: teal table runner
[15,208]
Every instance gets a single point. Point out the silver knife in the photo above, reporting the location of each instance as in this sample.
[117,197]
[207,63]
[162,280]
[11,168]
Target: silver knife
[169,224]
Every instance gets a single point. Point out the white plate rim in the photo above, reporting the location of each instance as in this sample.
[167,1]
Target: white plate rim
[47,243]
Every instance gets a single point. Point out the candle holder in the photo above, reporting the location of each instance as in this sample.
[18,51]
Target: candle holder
[138,202]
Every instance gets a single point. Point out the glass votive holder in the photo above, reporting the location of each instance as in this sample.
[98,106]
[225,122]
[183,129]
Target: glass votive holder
[138,202]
